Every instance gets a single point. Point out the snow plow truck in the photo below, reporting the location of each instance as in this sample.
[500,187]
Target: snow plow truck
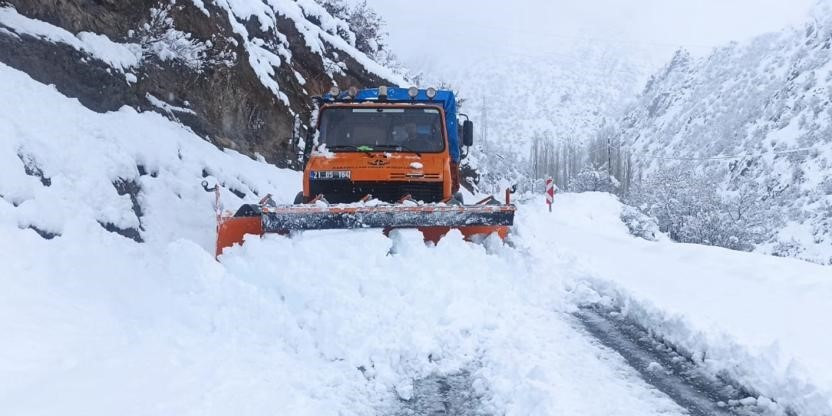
[383,158]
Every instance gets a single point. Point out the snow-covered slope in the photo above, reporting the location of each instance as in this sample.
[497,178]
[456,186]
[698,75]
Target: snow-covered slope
[67,170]
[763,110]
[241,74]
[516,99]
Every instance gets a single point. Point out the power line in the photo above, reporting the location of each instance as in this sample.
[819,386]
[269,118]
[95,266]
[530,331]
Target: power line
[596,148]
[693,159]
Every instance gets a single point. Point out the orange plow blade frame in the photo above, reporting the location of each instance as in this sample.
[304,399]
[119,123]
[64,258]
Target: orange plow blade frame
[433,221]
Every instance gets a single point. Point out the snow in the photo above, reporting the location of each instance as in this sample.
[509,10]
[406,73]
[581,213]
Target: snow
[118,55]
[84,153]
[566,97]
[763,103]
[322,151]
[167,107]
[263,62]
[320,38]
[343,322]
[201,6]
[754,317]
[264,54]
[173,44]
[103,325]
[654,366]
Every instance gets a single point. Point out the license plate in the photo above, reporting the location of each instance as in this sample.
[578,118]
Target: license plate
[330,175]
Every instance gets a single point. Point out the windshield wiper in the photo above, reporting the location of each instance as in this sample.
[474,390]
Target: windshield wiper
[364,149]
[398,148]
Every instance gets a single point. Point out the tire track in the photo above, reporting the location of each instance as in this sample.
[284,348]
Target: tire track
[675,375]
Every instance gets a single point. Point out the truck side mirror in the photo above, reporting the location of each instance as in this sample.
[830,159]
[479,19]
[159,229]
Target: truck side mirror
[307,145]
[468,133]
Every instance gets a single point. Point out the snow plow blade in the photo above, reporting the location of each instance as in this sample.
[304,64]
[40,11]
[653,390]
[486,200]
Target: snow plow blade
[277,220]
[433,221]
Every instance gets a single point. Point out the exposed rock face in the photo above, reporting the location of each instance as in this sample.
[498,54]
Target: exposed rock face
[238,74]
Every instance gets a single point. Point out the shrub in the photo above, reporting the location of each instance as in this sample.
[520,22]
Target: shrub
[591,180]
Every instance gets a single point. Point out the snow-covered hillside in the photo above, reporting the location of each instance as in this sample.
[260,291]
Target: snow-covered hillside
[241,74]
[561,98]
[345,322]
[756,113]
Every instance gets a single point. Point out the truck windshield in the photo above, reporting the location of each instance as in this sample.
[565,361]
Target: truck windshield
[388,129]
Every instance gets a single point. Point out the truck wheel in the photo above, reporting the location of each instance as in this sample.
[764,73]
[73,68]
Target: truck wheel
[458,197]
[248,210]
[299,198]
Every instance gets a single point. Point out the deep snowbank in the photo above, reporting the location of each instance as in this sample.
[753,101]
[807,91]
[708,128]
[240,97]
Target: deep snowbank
[759,319]
[61,167]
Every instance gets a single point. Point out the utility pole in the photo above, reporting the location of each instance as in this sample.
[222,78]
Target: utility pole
[609,154]
[484,128]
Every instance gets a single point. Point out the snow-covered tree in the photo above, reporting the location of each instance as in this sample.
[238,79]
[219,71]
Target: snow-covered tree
[695,207]
[591,180]
[560,159]
[639,224]
[366,25]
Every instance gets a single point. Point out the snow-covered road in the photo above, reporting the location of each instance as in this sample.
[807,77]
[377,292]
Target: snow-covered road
[442,310]
[278,326]
[752,318]
[661,365]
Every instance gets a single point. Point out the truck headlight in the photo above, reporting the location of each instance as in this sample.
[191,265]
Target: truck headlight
[330,175]
[353,92]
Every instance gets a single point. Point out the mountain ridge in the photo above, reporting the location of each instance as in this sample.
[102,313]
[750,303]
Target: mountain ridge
[755,113]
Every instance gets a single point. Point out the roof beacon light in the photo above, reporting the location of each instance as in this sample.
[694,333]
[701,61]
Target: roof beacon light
[335,92]
[352,92]
[382,92]
[413,92]
[431,93]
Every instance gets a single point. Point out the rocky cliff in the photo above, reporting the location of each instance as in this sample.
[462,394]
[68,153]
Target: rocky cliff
[239,73]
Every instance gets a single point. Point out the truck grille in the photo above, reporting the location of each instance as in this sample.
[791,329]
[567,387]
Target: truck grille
[344,192]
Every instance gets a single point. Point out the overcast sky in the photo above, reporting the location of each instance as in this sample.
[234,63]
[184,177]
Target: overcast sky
[425,30]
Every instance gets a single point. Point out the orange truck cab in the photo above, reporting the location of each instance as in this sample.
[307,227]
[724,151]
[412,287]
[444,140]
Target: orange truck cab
[389,143]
